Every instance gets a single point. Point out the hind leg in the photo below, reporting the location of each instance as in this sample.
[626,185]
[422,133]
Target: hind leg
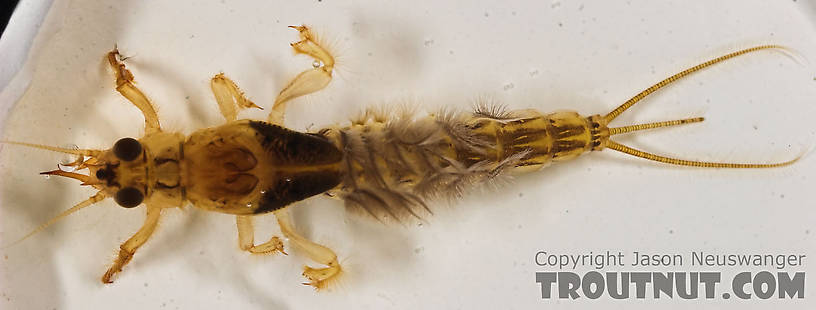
[308,81]
[319,278]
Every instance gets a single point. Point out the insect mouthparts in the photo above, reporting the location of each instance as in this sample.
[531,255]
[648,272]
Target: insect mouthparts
[105,174]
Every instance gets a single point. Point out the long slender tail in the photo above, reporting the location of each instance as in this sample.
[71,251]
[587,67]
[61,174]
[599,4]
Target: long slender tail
[675,161]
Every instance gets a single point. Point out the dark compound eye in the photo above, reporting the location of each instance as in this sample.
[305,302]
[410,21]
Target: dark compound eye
[127,149]
[128,197]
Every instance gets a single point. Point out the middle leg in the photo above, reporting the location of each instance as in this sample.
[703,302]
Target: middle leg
[246,238]
[127,249]
[230,98]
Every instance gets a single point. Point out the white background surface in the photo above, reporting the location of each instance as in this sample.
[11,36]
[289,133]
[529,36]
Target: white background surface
[587,56]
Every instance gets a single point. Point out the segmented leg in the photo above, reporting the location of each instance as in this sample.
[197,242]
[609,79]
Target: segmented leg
[308,81]
[127,249]
[230,98]
[319,278]
[124,85]
[246,238]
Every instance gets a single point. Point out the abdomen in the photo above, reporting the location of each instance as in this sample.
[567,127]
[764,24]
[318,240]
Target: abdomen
[391,167]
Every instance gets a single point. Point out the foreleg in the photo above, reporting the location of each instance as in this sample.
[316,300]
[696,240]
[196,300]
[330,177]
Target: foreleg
[124,85]
[127,249]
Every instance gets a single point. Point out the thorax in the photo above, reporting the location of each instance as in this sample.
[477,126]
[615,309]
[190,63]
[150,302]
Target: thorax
[250,167]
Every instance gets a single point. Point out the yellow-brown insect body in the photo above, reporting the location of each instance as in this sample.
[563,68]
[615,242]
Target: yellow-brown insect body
[386,166]
[249,167]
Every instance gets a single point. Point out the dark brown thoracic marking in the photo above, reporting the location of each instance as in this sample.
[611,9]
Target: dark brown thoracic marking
[294,187]
[297,152]
[295,148]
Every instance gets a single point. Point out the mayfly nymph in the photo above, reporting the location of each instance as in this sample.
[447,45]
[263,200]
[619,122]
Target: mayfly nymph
[385,166]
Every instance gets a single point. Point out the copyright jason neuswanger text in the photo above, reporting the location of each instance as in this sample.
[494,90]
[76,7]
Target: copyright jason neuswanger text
[660,275]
